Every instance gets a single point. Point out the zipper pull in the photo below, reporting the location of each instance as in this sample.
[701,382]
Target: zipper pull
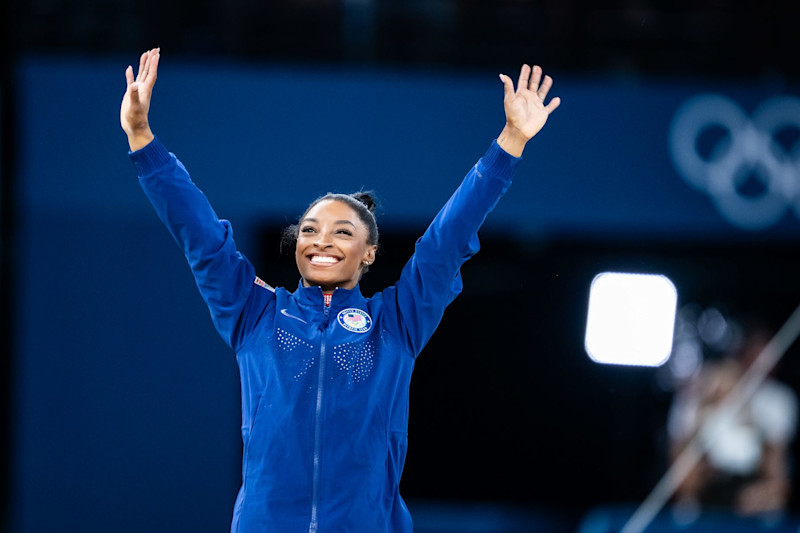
[325,319]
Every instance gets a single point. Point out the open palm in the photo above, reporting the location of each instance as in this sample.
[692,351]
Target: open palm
[133,113]
[524,107]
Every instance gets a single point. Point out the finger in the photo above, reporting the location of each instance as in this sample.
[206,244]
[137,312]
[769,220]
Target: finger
[142,61]
[146,69]
[553,105]
[508,86]
[544,88]
[524,75]
[535,78]
[129,75]
[152,68]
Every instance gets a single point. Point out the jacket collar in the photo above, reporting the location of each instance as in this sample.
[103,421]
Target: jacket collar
[342,298]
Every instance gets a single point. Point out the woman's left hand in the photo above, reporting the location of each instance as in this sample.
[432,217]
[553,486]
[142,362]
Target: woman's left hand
[526,112]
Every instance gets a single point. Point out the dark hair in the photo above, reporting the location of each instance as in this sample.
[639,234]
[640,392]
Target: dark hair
[362,202]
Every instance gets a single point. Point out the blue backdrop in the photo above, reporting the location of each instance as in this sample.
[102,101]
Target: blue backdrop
[126,402]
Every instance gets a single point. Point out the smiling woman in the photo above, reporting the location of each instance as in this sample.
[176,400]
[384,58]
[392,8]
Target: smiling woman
[332,247]
[335,241]
[325,372]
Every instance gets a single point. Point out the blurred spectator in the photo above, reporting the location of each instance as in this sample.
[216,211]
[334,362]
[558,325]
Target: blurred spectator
[747,465]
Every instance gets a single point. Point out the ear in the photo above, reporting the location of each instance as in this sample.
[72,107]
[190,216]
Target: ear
[369,256]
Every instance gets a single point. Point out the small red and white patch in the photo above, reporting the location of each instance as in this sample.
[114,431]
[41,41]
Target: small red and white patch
[261,283]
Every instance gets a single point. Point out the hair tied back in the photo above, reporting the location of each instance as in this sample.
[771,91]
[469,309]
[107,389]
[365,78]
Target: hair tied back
[366,198]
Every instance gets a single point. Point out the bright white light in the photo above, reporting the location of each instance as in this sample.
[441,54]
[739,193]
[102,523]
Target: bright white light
[631,319]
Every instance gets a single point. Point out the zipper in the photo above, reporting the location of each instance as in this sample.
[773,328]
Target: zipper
[314,525]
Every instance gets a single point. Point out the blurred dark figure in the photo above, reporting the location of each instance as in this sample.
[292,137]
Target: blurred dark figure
[747,465]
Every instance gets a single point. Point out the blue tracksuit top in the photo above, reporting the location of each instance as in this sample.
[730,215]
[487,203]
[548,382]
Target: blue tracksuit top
[324,389]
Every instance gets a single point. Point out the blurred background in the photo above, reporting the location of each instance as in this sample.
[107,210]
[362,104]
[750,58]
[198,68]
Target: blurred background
[675,151]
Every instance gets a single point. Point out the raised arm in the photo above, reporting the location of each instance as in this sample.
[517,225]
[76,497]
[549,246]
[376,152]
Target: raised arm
[133,113]
[431,279]
[224,277]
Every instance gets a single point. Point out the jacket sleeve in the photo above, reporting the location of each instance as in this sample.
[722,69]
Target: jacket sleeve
[431,279]
[225,278]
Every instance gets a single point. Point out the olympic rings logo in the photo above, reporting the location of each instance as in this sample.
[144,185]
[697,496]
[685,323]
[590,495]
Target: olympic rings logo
[751,167]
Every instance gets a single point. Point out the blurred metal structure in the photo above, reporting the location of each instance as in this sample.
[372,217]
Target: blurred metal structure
[731,405]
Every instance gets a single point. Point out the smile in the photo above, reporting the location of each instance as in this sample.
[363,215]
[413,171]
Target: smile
[324,260]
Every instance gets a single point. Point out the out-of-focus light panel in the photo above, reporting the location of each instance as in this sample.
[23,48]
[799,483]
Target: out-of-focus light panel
[631,319]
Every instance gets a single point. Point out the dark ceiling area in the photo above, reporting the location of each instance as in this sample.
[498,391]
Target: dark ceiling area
[699,38]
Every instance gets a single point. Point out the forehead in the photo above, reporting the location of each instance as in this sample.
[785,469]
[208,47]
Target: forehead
[333,210]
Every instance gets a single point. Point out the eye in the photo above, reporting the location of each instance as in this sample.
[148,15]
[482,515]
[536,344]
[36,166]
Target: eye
[345,232]
[307,229]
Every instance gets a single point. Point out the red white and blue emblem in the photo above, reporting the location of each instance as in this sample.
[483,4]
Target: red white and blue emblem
[355,320]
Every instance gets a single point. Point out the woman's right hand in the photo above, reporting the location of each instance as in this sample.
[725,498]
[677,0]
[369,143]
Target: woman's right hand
[136,102]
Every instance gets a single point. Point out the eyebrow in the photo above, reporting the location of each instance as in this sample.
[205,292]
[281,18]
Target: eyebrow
[337,222]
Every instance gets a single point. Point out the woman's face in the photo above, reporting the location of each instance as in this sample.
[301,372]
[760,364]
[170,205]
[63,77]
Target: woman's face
[332,246]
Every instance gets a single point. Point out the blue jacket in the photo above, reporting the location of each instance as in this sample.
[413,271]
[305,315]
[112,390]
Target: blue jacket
[324,389]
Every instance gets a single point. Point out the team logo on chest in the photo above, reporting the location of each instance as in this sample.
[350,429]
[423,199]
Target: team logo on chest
[354,320]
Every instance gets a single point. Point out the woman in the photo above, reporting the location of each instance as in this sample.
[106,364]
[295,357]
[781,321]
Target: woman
[325,372]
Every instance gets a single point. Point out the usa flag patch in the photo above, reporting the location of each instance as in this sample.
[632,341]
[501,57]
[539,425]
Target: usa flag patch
[354,320]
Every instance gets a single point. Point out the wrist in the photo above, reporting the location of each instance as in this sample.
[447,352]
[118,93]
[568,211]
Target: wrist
[140,138]
[512,140]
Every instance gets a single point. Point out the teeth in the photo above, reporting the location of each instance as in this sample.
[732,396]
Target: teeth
[324,259]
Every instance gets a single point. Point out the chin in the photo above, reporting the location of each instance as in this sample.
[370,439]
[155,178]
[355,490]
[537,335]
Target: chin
[325,284]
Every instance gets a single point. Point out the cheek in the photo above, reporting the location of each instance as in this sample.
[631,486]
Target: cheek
[300,244]
[298,254]
[357,252]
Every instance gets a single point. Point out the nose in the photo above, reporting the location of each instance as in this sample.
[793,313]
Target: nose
[322,241]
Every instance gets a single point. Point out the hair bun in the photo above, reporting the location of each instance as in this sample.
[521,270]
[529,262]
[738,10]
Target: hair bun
[366,198]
